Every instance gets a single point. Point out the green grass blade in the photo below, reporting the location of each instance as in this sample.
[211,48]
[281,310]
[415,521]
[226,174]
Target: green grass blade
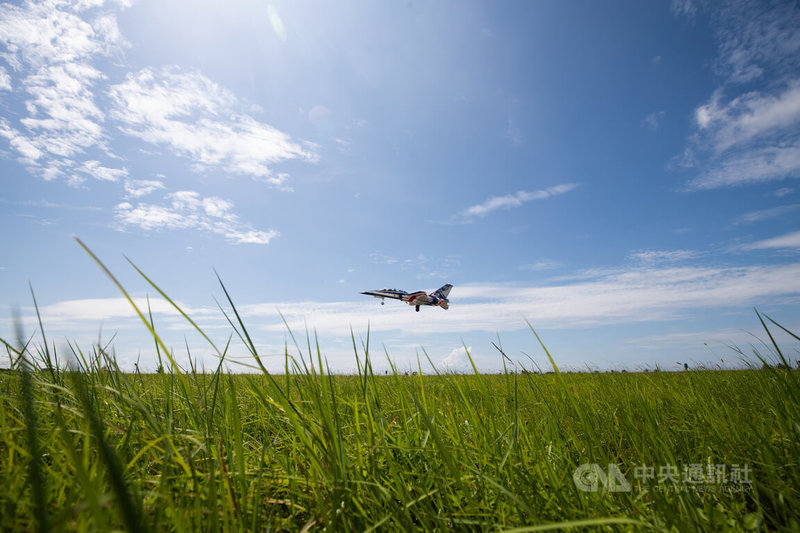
[130,301]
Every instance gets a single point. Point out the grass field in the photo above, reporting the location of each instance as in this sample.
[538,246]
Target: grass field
[96,448]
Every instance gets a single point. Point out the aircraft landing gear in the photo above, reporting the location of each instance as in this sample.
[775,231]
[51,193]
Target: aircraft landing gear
[417,309]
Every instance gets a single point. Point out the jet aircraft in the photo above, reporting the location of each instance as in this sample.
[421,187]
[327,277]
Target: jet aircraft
[437,298]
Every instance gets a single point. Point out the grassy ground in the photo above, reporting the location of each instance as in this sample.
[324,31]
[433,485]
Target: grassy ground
[96,448]
[102,449]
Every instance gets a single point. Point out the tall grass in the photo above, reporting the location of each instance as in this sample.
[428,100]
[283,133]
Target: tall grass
[95,448]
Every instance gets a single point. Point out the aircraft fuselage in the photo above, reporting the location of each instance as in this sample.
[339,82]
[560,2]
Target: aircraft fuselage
[416,299]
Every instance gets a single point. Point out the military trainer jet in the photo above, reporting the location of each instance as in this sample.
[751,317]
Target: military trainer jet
[438,297]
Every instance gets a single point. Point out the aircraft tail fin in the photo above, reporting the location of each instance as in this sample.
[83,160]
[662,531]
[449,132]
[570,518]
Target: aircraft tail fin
[443,292]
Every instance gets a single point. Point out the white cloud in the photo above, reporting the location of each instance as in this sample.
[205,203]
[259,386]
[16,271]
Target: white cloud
[101,309]
[619,296]
[748,167]
[651,257]
[99,172]
[685,8]
[64,120]
[151,217]
[764,214]
[196,119]
[382,259]
[247,237]
[653,121]
[5,80]
[744,138]
[53,48]
[514,200]
[217,207]
[139,188]
[79,317]
[457,359]
[44,33]
[188,210]
[757,39]
[790,240]
[749,116]
[22,144]
[599,298]
[49,46]
[752,139]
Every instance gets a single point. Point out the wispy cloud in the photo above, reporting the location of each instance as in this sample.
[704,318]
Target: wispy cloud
[383,259]
[70,120]
[52,205]
[683,8]
[749,116]
[5,80]
[50,47]
[68,114]
[188,210]
[788,241]
[421,265]
[46,32]
[63,123]
[53,45]
[97,171]
[139,188]
[511,201]
[598,298]
[744,137]
[544,264]
[631,295]
[756,39]
[765,214]
[197,119]
[104,309]
[755,138]
[652,257]
[750,166]
[653,120]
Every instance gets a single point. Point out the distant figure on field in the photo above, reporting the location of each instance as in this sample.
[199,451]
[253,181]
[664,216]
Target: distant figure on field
[686,366]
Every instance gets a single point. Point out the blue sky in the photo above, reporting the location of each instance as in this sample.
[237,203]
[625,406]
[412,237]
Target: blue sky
[621,175]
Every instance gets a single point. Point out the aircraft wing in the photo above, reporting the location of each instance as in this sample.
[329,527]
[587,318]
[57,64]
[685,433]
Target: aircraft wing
[388,293]
[418,298]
